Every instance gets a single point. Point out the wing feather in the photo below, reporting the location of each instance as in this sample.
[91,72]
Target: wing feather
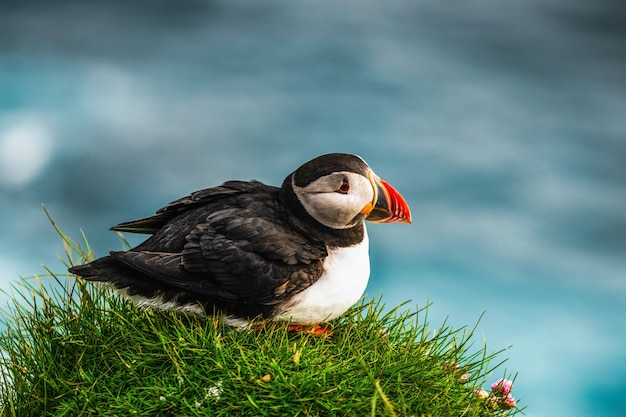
[236,255]
[152,224]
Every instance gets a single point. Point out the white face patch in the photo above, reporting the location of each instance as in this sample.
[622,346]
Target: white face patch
[338,210]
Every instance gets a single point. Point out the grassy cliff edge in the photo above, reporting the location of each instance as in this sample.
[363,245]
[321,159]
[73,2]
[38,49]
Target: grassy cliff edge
[73,348]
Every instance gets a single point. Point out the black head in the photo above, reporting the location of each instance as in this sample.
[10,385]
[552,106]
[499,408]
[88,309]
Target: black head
[328,164]
[335,193]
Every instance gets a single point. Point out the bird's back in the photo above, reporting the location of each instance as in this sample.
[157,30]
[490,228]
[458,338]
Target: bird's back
[171,224]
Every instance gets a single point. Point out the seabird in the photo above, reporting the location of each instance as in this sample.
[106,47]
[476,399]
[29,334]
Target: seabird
[296,253]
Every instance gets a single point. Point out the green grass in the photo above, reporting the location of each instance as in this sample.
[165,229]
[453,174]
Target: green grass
[73,348]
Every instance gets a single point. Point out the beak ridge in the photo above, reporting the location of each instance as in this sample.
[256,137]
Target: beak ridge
[390,206]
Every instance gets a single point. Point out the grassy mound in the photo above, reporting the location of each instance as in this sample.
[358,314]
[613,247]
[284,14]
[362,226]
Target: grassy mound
[73,348]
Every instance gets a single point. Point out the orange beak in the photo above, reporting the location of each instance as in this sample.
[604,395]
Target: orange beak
[389,205]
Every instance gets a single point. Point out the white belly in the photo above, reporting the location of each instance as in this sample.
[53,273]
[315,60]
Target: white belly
[346,272]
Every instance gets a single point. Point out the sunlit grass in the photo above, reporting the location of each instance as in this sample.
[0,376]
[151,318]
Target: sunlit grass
[74,348]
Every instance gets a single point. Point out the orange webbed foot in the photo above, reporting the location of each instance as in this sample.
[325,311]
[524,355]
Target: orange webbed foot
[317,330]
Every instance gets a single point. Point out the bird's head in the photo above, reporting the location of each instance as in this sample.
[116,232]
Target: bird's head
[341,190]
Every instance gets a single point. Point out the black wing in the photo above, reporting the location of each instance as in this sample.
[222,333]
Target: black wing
[243,251]
[152,224]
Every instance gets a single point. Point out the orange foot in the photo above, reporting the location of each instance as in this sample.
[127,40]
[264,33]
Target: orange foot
[317,330]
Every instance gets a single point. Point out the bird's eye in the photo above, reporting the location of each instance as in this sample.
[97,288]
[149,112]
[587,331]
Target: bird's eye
[344,187]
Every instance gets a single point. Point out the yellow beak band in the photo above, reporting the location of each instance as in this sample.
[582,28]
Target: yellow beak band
[367,209]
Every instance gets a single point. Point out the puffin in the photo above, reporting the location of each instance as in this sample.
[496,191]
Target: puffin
[247,251]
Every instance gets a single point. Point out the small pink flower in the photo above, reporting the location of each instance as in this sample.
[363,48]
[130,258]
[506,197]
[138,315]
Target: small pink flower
[502,386]
[508,402]
[464,378]
[481,393]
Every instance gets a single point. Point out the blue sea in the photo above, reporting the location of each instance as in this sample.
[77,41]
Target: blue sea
[503,124]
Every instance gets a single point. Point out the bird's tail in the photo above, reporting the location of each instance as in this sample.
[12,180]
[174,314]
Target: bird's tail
[104,269]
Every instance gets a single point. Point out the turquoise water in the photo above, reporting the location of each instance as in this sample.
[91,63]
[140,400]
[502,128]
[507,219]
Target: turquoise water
[503,126]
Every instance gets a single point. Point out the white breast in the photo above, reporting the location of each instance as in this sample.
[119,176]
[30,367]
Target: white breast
[346,272]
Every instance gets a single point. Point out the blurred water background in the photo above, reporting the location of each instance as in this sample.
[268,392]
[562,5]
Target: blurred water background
[503,125]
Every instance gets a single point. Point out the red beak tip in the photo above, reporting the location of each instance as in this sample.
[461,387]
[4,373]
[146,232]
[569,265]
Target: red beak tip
[403,217]
[400,212]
